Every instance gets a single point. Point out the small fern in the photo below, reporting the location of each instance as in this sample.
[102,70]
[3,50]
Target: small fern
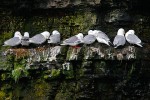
[19,69]
[55,72]
[19,72]
[16,73]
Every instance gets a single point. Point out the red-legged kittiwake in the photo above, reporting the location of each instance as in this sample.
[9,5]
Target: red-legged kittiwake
[90,38]
[16,40]
[54,38]
[25,39]
[102,37]
[40,38]
[132,38]
[119,39]
[74,40]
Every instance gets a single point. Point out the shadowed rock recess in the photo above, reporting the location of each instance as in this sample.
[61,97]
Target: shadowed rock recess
[90,72]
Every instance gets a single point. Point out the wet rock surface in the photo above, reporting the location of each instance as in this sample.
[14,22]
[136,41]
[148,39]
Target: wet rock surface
[82,73]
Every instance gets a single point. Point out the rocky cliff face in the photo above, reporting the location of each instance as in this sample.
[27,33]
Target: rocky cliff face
[46,4]
[60,72]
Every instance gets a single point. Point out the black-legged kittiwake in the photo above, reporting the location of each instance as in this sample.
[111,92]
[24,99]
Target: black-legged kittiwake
[101,37]
[74,40]
[119,39]
[16,40]
[25,39]
[54,38]
[90,38]
[40,38]
[132,38]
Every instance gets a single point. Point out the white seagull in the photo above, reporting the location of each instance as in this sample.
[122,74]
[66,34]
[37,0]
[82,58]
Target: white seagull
[40,38]
[16,40]
[54,38]
[132,38]
[74,40]
[90,38]
[102,37]
[119,39]
[25,39]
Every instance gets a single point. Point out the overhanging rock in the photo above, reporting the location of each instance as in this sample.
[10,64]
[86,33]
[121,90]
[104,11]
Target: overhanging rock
[51,54]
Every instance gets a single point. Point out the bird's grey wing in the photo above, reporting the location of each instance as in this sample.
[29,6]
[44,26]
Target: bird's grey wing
[54,38]
[38,39]
[13,41]
[133,39]
[119,40]
[71,39]
[103,35]
[89,39]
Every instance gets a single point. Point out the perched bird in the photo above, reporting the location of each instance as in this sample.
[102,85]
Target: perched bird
[16,40]
[90,38]
[54,38]
[40,38]
[101,37]
[25,39]
[74,40]
[119,39]
[132,38]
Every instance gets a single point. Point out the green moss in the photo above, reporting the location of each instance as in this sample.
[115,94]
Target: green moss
[36,90]
[65,91]
[64,96]
[4,36]
[69,24]
[55,72]
[5,93]
[41,89]
[4,76]
[2,95]
[52,74]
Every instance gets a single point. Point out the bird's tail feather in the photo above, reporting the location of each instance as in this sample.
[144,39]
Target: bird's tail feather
[30,41]
[62,44]
[115,46]
[4,45]
[139,45]
[108,43]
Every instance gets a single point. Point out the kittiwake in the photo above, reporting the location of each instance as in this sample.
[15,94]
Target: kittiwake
[132,38]
[74,40]
[119,39]
[101,37]
[40,38]
[90,38]
[25,39]
[16,40]
[54,38]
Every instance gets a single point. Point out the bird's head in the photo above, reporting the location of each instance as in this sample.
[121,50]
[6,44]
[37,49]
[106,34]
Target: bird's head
[26,34]
[55,32]
[80,36]
[95,33]
[18,34]
[121,31]
[131,31]
[46,34]
[90,32]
